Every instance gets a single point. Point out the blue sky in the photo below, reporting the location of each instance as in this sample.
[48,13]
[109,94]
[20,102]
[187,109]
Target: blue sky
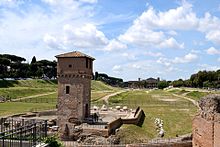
[170,39]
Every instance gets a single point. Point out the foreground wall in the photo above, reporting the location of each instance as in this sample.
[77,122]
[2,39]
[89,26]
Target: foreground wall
[206,125]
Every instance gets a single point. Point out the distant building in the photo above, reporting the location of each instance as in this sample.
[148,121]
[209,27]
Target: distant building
[151,82]
[74,72]
[148,83]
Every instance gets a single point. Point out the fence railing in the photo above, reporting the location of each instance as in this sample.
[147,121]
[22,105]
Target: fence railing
[23,133]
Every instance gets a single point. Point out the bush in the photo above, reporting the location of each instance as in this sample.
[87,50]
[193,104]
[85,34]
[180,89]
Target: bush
[53,141]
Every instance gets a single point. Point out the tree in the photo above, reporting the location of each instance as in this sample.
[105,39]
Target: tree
[34,60]
[96,75]
[178,83]
[4,63]
[162,84]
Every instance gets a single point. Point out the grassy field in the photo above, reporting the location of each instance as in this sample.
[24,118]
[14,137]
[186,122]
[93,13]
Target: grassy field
[24,88]
[19,107]
[196,95]
[177,114]
[100,86]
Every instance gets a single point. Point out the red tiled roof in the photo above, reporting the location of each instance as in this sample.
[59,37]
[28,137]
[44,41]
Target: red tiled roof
[76,54]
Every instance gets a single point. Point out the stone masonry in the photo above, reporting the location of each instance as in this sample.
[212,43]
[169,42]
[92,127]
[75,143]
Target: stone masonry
[74,72]
[206,125]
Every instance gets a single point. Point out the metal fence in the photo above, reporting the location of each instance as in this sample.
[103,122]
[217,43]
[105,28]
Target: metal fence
[22,133]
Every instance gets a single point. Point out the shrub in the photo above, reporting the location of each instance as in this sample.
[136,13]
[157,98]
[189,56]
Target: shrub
[53,141]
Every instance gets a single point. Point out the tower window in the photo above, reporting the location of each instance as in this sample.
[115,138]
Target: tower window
[70,65]
[67,89]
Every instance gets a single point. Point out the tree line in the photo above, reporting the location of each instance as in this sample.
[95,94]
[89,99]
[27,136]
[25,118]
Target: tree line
[108,80]
[202,79]
[12,66]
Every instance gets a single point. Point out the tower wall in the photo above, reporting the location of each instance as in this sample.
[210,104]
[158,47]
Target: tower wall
[74,93]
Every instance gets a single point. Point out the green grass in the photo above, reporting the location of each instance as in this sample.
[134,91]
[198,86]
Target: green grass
[96,95]
[28,83]
[19,107]
[18,92]
[196,95]
[100,86]
[177,115]
[179,91]
[24,88]
[51,98]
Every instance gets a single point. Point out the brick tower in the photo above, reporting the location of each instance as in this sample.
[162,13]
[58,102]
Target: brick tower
[74,71]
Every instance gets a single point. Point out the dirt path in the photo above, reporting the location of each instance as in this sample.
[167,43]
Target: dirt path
[189,99]
[32,96]
[105,98]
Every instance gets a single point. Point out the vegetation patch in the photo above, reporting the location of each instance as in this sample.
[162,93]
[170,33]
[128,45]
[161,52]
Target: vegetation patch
[197,94]
[176,122]
[20,107]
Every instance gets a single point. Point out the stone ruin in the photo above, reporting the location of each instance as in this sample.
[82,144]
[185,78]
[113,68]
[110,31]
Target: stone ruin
[206,124]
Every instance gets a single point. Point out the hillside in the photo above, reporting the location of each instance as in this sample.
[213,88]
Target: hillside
[100,86]
[23,88]
[37,95]
[28,83]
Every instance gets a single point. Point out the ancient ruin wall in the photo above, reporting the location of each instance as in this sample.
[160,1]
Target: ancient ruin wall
[206,125]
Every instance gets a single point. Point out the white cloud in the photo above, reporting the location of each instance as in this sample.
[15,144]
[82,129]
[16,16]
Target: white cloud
[171,43]
[143,30]
[213,36]
[117,68]
[129,56]
[31,27]
[213,51]
[186,59]
[87,36]
[211,26]
[164,61]
[11,3]
[89,1]
[190,57]
[180,18]
[172,33]
[136,66]
[207,67]
[115,45]
[52,42]
[153,54]
[218,59]
[144,37]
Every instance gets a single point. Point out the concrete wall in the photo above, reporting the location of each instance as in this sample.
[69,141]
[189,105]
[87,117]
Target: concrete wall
[136,120]
[112,126]
[217,134]
[206,133]
[202,132]
[47,113]
[96,131]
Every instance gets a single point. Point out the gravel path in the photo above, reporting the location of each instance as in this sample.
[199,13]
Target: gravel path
[105,98]
[189,99]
